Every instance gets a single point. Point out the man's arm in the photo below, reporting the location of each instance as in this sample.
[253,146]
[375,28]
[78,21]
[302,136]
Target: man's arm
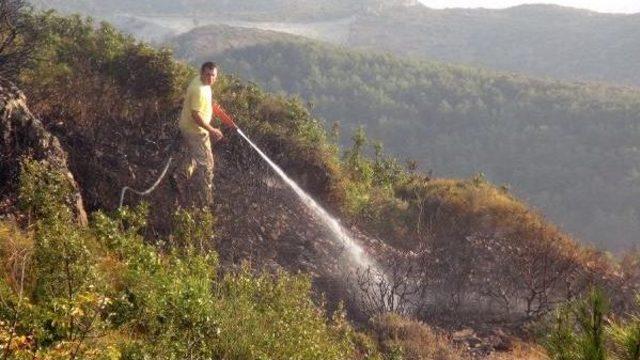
[216,134]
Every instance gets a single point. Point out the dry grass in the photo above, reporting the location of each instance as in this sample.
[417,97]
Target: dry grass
[417,340]
[521,351]
[16,250]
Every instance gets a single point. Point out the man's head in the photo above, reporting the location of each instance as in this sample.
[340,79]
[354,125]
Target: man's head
[208,73]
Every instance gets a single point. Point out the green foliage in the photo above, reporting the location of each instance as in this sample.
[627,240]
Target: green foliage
[60,302]
[17,38]
[48,205]
[625,336]
[285,315]
[590,315]
[102,293]
[359,171]
[193,228]
[67,270]
[582,331]
[167,298]
[369,181]
[355,160]
[73,49]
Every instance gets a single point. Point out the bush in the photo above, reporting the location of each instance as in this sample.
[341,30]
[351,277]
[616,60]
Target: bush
[193,228]
[585,330]
[401,338]
[102,293]
[90,75]
[49,206]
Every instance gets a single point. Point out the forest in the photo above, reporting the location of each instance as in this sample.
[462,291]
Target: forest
[536,39]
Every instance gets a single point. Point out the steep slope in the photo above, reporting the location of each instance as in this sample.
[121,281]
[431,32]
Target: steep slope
[120,132]
[409,222]
[72,289]
[149,287]
[454,252]
[569,148]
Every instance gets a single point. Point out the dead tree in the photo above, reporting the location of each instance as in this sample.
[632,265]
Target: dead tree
[396,290]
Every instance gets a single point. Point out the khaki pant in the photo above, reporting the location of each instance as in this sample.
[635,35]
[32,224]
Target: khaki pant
[195,170]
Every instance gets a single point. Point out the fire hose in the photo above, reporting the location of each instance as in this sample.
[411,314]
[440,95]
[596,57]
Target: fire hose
[158,180]
[149,190]
[220,113]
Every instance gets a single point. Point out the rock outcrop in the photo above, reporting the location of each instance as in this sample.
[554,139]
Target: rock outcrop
[23,136]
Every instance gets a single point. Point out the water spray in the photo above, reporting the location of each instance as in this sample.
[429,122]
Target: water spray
[355,251]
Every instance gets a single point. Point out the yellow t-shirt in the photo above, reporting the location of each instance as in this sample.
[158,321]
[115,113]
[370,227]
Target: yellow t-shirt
[198,98]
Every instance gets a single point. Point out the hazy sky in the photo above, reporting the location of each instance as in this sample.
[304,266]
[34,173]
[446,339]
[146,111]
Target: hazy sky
[620,6]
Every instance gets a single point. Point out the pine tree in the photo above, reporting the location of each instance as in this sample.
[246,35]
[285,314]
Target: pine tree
[579,330]
[625,338]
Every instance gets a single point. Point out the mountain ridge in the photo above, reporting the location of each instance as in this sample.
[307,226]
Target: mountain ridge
[539,40]
[536,40]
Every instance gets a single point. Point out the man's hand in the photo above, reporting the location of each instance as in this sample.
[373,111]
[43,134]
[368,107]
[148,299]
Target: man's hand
[216,135]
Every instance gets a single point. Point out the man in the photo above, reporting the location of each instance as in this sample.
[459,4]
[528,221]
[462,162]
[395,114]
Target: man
[197,133]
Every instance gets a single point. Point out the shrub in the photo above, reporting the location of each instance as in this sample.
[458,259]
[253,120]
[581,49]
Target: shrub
[103,293]
[402,338]
[46,206]
[90,76]
[585,330]
[193,228]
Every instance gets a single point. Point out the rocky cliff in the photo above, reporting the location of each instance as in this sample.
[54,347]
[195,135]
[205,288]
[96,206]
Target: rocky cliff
[22,137]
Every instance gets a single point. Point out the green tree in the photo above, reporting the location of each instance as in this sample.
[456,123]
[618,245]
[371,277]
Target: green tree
[585,330]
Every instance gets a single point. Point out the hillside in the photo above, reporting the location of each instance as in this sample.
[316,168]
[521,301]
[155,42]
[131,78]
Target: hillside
[541,40]
[214,40]
[569,148]
[77,290]
[161,281]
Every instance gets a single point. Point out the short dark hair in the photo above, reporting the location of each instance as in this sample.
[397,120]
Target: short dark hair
[208,66]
